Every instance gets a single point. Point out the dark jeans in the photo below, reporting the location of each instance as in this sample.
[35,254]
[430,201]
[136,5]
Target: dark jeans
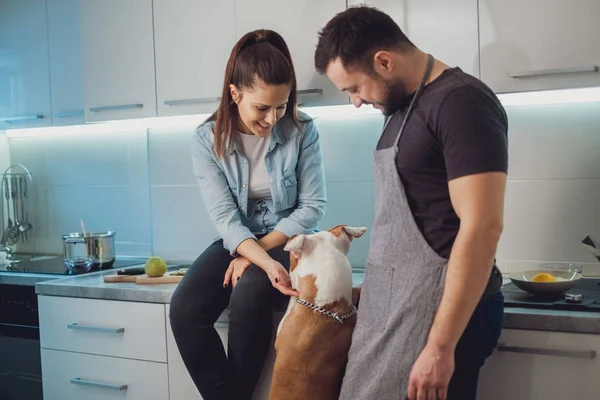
[198,302]
[475,345]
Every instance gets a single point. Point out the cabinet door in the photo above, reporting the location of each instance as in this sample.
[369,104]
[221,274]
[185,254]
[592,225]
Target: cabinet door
[298,22]
[539,44]
[24,72]
[535,365]
[192,39]
[68,375]
[118,59]
[445,29]
[180,383]
[66,70]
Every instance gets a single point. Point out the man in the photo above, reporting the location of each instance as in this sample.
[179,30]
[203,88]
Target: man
[431,308]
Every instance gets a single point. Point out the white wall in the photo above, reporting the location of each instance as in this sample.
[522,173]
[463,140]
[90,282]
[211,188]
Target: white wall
[141,185]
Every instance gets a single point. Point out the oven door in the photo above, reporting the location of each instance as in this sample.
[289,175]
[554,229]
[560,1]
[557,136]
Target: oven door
[20,360]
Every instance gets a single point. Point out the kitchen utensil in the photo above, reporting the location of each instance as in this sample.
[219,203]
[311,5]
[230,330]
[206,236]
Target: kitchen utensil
[557,266]
[79,264]
[132,271]
[143,279]
[592,246]
[566,280]
[100,246]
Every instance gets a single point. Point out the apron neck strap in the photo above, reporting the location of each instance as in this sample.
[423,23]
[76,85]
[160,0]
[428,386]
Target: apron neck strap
[414,99]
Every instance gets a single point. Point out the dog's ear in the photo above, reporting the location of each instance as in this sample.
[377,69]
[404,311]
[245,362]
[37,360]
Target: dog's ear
[295,245]
[355,232]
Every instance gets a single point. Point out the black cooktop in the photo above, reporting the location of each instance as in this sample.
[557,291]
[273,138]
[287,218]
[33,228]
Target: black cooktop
[56,266]
[588,288]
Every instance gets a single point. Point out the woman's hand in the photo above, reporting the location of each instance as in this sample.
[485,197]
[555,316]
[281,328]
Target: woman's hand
[280,279]
[235,271]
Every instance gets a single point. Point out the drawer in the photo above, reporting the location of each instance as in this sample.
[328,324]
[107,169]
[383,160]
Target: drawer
[103,327]
[67,375]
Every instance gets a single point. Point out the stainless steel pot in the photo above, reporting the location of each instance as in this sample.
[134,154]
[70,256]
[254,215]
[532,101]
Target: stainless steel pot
[100,246]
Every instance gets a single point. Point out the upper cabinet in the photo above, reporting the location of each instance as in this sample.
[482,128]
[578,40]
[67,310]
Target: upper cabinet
[298,22]
[118,59]
[539,44]
[445,29]
[24,71]
[192,39]
[66,80]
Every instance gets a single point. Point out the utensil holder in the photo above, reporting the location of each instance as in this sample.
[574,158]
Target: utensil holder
[17,207]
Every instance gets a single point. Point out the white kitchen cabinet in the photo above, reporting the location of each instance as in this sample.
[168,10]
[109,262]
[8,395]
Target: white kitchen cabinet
[298,22]
[539,44]
[446,29]
[68,375]
[180,383]
[118,59]
[24,71]
[536,365]
[103,327]
[193,40]
[66,70]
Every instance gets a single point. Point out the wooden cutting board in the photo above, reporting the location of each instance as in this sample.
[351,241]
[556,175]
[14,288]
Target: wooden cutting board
[143,279]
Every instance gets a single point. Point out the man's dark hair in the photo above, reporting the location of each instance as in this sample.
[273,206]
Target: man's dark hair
[355,36]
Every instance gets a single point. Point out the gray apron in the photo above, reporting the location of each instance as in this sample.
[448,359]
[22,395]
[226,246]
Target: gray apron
[401,292]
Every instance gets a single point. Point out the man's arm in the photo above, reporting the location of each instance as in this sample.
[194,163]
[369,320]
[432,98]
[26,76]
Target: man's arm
[479,203]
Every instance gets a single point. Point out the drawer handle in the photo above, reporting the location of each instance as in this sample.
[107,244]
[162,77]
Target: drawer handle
[119,107]
[556,71]
[78,327]
[587,355]
[22,118]
[192,101]
[68,114]
[83,382]
[309,91]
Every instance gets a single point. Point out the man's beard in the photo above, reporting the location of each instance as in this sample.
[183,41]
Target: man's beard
[395,97]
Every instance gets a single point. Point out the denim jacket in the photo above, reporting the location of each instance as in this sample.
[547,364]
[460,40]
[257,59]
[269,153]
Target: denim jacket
[295,168]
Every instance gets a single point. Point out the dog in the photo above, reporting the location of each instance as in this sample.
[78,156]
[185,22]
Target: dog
[314,335]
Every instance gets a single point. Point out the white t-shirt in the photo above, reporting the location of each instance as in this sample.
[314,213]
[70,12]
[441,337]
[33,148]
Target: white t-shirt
[255,150]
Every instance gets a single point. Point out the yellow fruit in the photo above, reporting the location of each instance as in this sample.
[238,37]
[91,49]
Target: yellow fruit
[543,277]
[155,266]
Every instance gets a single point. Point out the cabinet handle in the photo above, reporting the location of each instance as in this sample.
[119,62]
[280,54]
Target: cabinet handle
[220,324]
[556,71]
[22,118]
[119,107]
[83,382]
[309,91]
[68,114]
[587,355]
[192,101]
[78,327]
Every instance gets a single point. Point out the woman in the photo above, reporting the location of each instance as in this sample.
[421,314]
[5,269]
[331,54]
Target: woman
[259,167]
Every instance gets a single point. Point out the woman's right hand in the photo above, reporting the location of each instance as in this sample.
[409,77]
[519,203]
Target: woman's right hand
[280,279]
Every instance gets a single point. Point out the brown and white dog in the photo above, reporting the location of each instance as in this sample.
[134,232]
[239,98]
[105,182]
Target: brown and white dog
[314,336]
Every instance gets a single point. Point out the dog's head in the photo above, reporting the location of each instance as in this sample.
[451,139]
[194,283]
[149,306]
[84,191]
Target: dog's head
[337,238]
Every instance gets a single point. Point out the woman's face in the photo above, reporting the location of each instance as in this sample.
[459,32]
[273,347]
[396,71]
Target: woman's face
[261,107]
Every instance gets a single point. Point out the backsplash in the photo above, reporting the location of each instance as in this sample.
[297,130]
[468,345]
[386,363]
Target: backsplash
[140,184]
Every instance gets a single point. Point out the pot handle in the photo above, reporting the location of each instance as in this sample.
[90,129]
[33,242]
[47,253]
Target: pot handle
[74,240]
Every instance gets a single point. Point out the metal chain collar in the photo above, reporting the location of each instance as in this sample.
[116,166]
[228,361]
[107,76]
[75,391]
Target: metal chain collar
[337,318]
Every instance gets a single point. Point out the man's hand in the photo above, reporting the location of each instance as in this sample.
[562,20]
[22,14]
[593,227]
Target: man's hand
[235,271]
[431,375]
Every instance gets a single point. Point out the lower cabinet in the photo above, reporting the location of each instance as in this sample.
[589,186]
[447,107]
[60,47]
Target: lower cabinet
[180,383]
[69,375]
[541,365]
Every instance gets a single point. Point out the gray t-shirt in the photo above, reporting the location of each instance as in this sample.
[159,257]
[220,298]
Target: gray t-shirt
[255,150]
